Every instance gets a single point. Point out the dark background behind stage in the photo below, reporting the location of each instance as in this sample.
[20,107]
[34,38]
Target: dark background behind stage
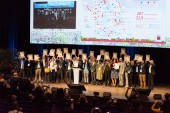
[14,34]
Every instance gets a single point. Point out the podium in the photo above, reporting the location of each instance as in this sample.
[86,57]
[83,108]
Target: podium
[76,75]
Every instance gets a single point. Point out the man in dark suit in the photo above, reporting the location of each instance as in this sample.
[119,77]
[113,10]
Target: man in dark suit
[151,73]
[60,76]
[136,73]
[69,65]
[80,65]
[22,67]
[93,71]
[29,68]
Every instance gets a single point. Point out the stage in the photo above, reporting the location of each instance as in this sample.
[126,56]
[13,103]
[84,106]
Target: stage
[117,92]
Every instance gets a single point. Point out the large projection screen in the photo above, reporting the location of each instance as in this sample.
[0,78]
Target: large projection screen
[141,23]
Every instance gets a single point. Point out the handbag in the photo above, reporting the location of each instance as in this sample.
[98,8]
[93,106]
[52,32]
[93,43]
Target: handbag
[47,70]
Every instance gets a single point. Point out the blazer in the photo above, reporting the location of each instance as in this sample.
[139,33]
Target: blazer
[122,67]
[152,69]
[136,68]
[93,67]
[24,61]
[142,68]
[60,63]
[88,65]
[29,64]
[71,64]
[36,64]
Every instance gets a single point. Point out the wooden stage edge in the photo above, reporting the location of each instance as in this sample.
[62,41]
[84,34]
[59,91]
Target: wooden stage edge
[117,92]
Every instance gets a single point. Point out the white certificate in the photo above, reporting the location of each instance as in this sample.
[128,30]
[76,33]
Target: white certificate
[147,57]
[115,55]
[52,52]
[68,56]
[73,52]
[140,58]
[98,57]
[58,50]
[45,52]
[136,56]
[123,51]
[36,57]
[102,51]
[30,56]
[65,50]
[22,54]
[92,53]
[106,57]
[84,56]
[80,51]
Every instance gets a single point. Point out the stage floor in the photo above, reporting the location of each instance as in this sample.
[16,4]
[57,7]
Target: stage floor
[117,92]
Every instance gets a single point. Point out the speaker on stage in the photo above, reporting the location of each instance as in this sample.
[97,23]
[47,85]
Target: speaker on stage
[107,94]
[76,88]
[157,96]
[144,93]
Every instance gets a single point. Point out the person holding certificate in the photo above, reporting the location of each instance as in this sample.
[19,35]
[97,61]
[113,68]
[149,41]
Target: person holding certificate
[93,71]
[53,67]
[69,65]
[29,68]
[47,69]
[38,69]
[107,72]
[60,63]
[128,75]
[80,66]
[99,72]
[136,73]
[142,74]
[151,70]
[114,71]
[86,71]
[22,66]
[122,67]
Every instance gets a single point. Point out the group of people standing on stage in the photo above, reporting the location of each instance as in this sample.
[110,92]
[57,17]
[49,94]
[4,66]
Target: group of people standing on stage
[114,72]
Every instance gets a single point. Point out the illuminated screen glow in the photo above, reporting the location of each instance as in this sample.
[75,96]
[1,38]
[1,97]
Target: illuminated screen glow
[141,23]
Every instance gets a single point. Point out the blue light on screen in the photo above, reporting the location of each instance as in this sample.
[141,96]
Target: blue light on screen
[56,4]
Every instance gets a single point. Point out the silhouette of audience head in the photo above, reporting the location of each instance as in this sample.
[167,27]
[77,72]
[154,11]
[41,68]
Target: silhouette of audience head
[167,96]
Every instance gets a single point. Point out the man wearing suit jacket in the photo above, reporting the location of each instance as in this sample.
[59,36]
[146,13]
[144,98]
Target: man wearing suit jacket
[107,73]
[22,67]
[136,73]
[142,74]
[93,71]
[80,65]
[151,70]
[29,67]
[60,77]
[122,67]
[85,68]
[53,70]
[69,65]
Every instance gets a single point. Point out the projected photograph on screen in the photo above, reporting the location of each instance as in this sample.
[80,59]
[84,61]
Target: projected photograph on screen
[143,23]
[57,14]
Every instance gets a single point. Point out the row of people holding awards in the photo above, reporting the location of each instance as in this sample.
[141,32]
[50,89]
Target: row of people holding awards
[89,70]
